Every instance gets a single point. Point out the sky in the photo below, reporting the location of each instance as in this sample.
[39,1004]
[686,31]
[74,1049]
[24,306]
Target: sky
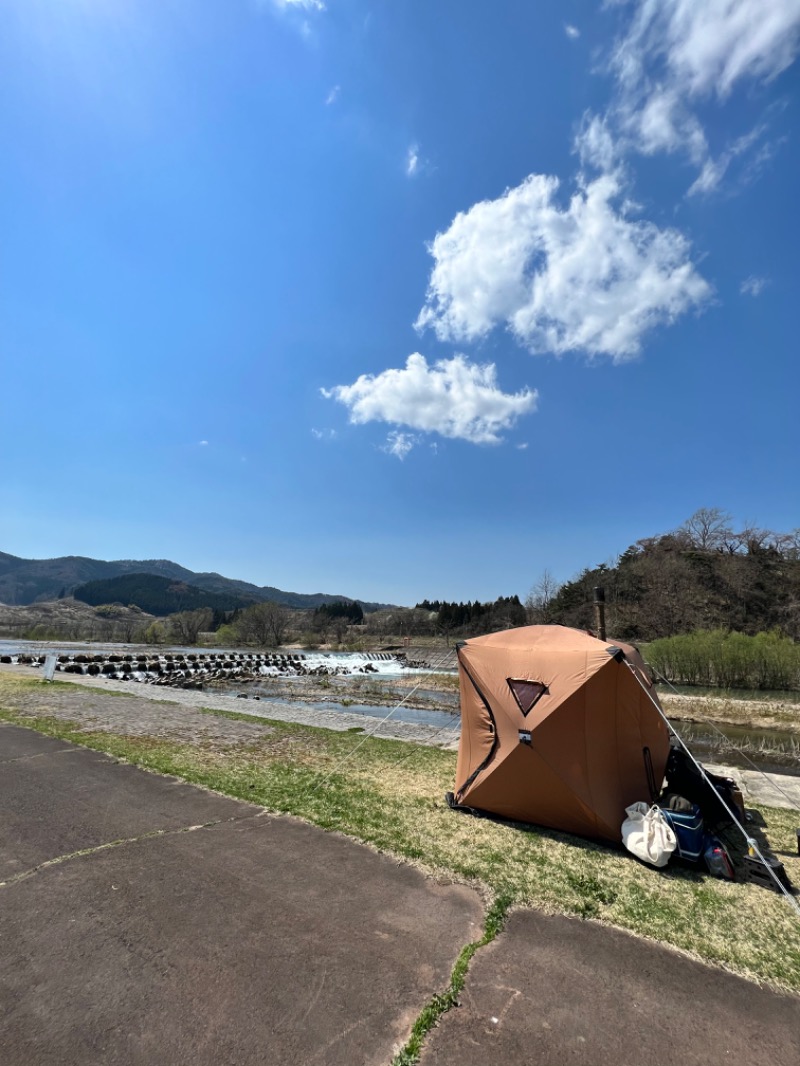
[395,300]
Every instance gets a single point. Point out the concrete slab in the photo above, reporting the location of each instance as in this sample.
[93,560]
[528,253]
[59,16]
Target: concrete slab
[18,743]
[553,990]
[257,940]
[771,790]
[63,798]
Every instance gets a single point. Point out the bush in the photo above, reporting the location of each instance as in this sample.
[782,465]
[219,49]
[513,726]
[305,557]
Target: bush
[728,660]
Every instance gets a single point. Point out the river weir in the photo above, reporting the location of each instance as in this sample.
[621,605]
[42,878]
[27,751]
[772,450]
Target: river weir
[196,669]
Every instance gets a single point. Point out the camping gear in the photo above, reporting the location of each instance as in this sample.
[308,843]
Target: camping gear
[557,728]
[757,871]
[671,801]
[646,833]
[684,778]
[688,829]
[717,860]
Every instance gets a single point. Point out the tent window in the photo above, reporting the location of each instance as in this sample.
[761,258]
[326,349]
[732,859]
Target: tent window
[526,693]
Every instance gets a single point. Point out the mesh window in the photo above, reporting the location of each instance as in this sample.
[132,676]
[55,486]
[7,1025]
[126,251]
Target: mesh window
[526,693]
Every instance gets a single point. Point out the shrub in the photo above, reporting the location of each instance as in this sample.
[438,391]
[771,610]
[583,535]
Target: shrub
[728,660]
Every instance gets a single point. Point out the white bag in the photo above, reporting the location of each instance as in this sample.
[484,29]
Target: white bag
[648,835]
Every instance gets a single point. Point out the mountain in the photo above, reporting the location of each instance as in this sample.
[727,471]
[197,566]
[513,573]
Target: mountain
[24,581]
[157,595]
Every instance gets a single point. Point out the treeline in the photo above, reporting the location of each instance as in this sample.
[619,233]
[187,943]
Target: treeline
[705,575]
[349,609]
[728,660]
[504,613]
[156,595]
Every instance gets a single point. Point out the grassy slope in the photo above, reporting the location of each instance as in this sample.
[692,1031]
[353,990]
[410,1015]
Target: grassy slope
[390,796]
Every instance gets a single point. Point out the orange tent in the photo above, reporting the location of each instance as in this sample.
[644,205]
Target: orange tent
[557,729]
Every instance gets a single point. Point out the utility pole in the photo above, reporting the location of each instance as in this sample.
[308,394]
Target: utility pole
[600,611]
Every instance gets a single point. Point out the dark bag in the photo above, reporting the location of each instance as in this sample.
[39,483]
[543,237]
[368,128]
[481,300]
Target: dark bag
[685,779]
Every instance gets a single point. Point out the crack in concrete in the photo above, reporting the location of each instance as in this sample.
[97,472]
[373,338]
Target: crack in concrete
[40,755]
[149,835]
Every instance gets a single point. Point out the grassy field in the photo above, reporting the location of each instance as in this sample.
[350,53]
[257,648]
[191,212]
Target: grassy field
[390,795]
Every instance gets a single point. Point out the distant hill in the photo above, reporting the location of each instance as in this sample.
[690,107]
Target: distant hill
[157,595]
[25,581]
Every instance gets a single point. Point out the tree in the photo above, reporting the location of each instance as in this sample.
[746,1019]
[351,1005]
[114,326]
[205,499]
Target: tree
[265,624]
[186,626]
[709,529]
[539,600]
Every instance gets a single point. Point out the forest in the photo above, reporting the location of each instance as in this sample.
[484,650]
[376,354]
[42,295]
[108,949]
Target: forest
[705,575]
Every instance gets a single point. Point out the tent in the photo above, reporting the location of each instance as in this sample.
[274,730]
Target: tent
[557,728]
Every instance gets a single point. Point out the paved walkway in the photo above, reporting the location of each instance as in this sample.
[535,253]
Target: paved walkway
[145,921]
[552,990]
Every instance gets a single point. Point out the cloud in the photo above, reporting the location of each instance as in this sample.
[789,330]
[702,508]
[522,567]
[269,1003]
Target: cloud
[753,286]
[596,144]
[679,53]
[324,434]
[571,31]
[705,48]
[202,442]
[333,95]
[298,5]
[399,443]
[714,170]
[454,398]
[412,160]
[586,277]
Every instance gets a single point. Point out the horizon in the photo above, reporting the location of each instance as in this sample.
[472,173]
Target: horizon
[410,303]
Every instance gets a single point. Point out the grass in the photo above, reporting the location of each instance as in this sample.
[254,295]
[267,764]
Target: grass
[391,797]
[444,1001]
[755,714]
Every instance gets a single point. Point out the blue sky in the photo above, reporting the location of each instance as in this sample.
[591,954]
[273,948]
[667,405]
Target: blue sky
[395,300]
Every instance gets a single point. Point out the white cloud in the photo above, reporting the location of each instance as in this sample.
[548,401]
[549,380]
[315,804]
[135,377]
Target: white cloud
[705,46]
[714,170]
[595,143]
[662,123]
[583,278]
[400,444]
[299,5]
[678,53]
[333,95]
[323,434]
[412,160]
[522,447]
[753,286]
[454,398]
[202,442]
[571,31]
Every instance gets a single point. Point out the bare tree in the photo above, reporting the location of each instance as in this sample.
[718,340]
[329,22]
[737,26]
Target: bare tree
[340,624]
[265,624]
[538,602]
[709,529]
[186,626]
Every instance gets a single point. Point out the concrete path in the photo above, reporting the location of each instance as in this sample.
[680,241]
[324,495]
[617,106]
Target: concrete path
[208,933]
[553,990]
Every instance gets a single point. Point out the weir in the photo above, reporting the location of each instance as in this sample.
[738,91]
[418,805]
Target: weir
[177,669]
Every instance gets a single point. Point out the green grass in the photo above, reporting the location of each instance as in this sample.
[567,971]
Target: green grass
[446,1000]
[391,797]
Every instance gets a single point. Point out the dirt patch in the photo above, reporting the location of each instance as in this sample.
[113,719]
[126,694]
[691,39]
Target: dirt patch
[97,704]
